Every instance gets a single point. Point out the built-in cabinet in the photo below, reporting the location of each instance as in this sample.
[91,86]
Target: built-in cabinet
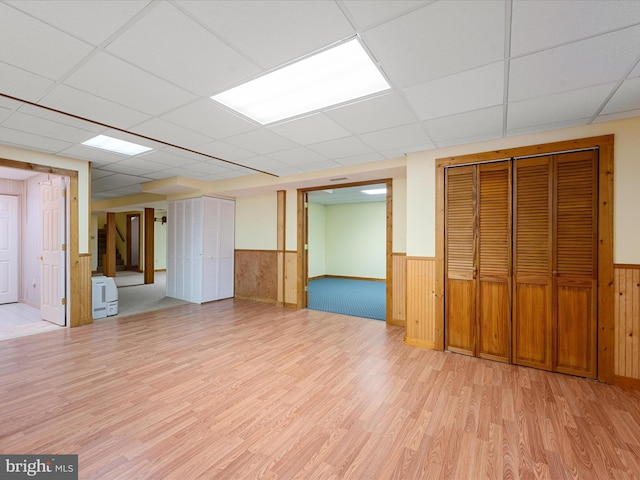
[200,249]
[521,261]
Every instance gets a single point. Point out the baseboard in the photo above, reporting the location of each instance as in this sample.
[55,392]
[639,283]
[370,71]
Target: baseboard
[414,342]
[256,299]
[160,270]
[397,322]
[626,382]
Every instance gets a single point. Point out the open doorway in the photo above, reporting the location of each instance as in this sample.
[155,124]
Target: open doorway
[133,242]
[34,257]
[347,232]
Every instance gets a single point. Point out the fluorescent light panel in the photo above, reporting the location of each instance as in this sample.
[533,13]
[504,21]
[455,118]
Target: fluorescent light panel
[375,191]
[115,145]
[331,77]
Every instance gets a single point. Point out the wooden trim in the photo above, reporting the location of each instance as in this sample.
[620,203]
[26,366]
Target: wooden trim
[109,263]
[625,265]
[389,253]
[626,382]
[254,250]
[149,245]
[34,167]
[605,235]
[347,277]
[301,238]
[419,343]
[281,242]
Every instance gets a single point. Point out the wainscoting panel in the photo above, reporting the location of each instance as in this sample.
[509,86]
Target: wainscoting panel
[399,303]
[256,275]
[627,321]
[291,279]
[420,301]
[80,309]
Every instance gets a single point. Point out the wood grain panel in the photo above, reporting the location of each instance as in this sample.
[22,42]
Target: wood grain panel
[81,284]
[420,301]
[627,321]
[291,282]
[399,307]
[256,275]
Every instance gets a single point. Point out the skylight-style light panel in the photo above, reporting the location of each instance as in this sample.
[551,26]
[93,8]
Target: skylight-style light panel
[331,77]
[115,145]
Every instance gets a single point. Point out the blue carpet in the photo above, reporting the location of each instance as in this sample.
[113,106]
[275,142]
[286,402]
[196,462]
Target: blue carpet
[360,298]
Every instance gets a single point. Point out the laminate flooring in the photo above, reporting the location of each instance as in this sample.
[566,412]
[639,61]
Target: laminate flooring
[236,389]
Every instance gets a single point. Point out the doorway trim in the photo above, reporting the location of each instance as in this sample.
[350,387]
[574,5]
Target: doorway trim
[303,239]
[605,281]
[129,241]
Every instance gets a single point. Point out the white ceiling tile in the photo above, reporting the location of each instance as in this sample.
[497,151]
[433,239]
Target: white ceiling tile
[590,62]
[488,121]
[207,118]
[168,159]
[113,79]
[22,84]
[626,98]
[171,133]
[275,32]
[358,159]
[136,166]
[117,180]
[636,71]
[160,174]
[91,107]
[47,128]
[28,44]
[471,90]
[225,151]
[473,139]
[99,173]
[574,122]
[33,142]
[364,115]
[208,168]
[97,155]
[191,56]
[261,141]
[341,147]
[297,156]
[92,21]
[54,116]
[397,138]
[373,12]
[4,113]
[265,164]
[617,116]
[557,108]
[440,39]
[543,24]
[311,129]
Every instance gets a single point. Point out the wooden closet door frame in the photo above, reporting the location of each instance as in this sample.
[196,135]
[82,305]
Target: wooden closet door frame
[605,300]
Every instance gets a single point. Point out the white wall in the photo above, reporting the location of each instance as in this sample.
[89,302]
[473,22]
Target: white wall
[256,222]
[399,215]
[160,245]
[355,239]
[421,184]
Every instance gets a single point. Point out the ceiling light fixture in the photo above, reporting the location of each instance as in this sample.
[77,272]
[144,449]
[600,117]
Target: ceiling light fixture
[375,191]
[115,145]
[333,76]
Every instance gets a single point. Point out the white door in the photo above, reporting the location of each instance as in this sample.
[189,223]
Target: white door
[52,304]
[8,249]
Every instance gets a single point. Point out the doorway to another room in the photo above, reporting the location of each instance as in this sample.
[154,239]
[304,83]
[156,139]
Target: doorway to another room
[347,232]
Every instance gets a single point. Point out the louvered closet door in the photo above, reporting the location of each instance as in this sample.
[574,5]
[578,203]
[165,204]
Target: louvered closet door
[494,258]
[460,241]
[576,262]
[532,263]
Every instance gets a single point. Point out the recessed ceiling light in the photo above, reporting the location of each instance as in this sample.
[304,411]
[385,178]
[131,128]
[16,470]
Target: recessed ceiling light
[115,145]
[375,191]
[333,76]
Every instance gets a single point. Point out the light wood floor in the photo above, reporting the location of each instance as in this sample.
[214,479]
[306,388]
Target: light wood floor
[236,389]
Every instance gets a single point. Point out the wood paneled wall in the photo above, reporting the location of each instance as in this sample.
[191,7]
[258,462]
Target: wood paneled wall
[80,308]
[291,279]
[420,291]
[627,321]
[399,297]
[256,275]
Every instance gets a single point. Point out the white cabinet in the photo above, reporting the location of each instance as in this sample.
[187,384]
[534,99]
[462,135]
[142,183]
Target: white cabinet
[200,249]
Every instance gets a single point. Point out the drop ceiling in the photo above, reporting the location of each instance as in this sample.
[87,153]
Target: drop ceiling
[460,71]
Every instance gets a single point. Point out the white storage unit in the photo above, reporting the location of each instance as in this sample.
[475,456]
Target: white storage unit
[104,297]
[200,249]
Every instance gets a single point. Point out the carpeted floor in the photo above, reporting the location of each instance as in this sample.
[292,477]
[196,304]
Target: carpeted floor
[359,298]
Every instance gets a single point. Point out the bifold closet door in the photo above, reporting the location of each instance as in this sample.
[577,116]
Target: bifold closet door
[575,262]
[555,263]
[478,245]
[460,244]
[532,263]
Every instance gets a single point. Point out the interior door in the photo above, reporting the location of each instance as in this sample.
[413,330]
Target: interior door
[494,261]
[575,272]
[53,301]
[461,272]
[8,249]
